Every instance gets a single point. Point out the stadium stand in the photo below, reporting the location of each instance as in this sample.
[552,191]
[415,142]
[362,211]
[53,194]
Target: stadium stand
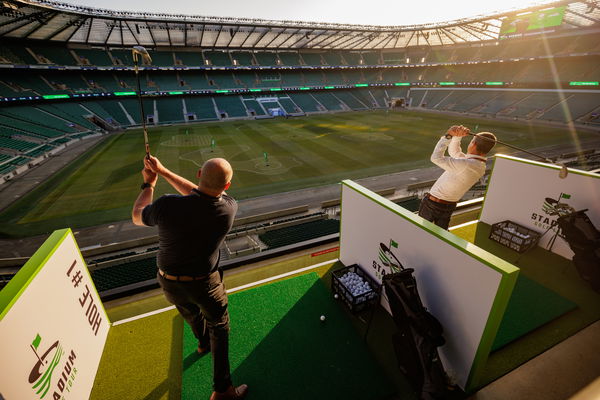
[202,107]
[170,110]
[299,233]
[232,106]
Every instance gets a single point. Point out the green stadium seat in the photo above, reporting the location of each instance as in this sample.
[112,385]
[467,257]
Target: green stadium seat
[299,233]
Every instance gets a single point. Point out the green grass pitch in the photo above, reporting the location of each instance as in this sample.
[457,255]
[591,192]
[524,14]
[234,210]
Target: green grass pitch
[303,152]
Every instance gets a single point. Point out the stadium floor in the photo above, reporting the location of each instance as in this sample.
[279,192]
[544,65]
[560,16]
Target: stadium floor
[302,153]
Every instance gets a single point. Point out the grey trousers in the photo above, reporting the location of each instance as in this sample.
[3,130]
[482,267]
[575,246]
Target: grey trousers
[203,304]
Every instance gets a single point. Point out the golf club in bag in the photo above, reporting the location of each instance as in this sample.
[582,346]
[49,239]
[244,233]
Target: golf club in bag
[584,239]
[418,337]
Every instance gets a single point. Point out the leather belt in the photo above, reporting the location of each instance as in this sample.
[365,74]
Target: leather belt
[180,278]
[441,201]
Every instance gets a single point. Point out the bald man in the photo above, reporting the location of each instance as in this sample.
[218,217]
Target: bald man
[191,228]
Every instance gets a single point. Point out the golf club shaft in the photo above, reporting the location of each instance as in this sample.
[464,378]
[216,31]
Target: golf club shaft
[139,92]
[516,148]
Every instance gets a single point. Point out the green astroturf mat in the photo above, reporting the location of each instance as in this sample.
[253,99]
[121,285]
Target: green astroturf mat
[281,349]
[531,305]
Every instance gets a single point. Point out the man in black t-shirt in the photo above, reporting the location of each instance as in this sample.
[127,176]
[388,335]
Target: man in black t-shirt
[191,229]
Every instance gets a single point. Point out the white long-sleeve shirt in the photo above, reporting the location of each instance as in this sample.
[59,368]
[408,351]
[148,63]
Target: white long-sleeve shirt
[461,170]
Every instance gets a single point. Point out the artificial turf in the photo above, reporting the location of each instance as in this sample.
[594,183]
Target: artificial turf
[281,348]
[553,272]
[302,152]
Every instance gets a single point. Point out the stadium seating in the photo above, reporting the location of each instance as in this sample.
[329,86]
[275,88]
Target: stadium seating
[169,110]
[219,58]
[328,101]
[288,105]
[299,233]
[311,58]
[242,58]
[191,59]
[58,55]
[289,58]
[7,142]
[232,105]
[253,106]
[93,57]
[305,101]
[266,58]
[124,274]
[202,107]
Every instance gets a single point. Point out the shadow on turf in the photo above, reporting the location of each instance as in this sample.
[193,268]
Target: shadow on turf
[302,357]
[171,386]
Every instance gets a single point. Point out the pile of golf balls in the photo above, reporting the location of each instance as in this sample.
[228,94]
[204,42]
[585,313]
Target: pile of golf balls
[355,283]
[517,233]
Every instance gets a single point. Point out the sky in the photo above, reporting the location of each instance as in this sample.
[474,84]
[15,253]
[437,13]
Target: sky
[369,12]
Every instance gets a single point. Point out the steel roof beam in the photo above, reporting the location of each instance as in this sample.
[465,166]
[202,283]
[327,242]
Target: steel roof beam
[247,36]
[112,26]
[302,38]
[279,34]
[409,39]
[323,40]
[132,33]
[232,35]
[316,37]
[76,22]
[260,38]
[217,38]
[291,36]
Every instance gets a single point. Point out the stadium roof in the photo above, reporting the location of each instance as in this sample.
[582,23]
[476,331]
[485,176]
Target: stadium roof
[61,22]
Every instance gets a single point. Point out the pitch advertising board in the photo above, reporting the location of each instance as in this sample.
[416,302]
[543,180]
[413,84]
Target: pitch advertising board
[52,324]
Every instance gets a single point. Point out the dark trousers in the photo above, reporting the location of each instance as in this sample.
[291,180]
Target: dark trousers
[437,213]
[203,304]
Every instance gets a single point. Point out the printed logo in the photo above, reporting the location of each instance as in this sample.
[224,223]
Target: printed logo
[551,210]
[42,371]
[388,262]
[41,375]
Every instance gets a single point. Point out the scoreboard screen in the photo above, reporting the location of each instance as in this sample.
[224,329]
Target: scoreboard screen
[529,23]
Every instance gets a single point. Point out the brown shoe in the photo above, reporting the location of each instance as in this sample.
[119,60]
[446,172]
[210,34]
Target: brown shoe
[232,393]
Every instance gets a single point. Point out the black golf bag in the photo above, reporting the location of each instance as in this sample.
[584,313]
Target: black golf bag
[584,239]
[418,337]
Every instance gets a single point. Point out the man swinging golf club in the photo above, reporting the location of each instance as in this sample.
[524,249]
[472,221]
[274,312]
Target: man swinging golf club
[191,228]
[461,171]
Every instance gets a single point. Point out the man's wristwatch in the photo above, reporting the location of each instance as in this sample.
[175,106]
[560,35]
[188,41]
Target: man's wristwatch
[448,136]
[146,185]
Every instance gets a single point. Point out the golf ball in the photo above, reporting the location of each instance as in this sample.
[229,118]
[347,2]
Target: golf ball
[335,296]
[322,318]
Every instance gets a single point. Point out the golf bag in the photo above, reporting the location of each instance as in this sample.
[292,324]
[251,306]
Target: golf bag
[584,239]
[418,337]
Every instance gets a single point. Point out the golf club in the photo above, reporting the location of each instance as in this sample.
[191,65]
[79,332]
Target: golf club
[563,169]
[137,51]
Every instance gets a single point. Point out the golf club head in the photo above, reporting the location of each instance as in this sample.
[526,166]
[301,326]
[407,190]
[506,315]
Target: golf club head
[141,51]
[563,171]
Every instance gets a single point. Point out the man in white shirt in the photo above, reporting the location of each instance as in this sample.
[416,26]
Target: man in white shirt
[461,172]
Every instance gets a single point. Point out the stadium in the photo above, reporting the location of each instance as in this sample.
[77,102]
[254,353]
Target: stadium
[308,114]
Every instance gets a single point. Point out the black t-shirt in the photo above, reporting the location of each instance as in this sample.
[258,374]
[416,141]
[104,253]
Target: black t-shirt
[190,231]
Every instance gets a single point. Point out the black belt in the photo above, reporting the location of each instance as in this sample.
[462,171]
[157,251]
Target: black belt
[180,278]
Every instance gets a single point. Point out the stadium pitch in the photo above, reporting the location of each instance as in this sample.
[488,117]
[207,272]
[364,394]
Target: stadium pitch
[268,156]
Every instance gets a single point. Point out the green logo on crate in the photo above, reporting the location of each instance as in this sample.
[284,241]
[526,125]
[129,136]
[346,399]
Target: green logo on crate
[388,262]
[551,210]
[42,373]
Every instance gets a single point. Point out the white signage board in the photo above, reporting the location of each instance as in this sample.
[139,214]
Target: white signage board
[527,192]
[463,286]
[52,324]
